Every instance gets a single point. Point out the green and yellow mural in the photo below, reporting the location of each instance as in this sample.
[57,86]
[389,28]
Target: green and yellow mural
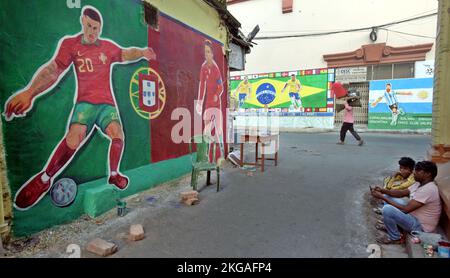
[304,90]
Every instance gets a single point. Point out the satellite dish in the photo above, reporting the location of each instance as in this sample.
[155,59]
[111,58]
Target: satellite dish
[253,33]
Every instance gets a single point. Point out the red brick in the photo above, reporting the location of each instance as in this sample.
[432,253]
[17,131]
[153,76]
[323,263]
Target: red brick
[189,195]
[191,201]
[136,232]
[101,247]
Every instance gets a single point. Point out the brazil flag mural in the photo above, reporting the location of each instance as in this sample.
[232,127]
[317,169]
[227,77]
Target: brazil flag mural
[297,91]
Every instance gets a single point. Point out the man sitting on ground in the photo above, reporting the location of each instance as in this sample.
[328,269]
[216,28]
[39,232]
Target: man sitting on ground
[420,213]
[403,179]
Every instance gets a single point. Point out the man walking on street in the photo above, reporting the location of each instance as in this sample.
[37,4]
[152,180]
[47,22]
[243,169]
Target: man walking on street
[348,125]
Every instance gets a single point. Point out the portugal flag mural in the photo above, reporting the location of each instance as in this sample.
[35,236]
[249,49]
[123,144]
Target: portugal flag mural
[87,103]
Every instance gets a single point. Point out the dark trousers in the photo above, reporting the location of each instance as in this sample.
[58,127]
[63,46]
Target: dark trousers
[348,126]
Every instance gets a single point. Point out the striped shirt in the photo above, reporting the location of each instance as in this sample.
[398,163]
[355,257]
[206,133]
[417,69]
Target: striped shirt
[391,98]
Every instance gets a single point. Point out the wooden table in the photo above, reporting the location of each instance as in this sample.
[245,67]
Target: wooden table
[260,139]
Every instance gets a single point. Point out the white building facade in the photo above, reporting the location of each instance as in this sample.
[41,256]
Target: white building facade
[357,41]
[321,16]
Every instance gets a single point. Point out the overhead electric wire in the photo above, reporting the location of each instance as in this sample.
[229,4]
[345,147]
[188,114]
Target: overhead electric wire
[331,30]
[347,31]
[409,34]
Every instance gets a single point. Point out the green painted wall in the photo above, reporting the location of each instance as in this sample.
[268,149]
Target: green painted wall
[97,197]
[30,31]
[29,39]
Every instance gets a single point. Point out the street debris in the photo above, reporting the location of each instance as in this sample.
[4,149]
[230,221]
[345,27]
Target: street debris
[53,242]
[191,201]
[136,232]
[74,251]
[234,158]
[190,197]
[151,200]
[99,222]
[374,250]
[21,244]
[101,247]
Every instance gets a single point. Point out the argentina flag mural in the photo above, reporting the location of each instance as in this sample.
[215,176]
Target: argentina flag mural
[401,104]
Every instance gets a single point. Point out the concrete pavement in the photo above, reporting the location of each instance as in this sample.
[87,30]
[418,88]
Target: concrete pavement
[314,204]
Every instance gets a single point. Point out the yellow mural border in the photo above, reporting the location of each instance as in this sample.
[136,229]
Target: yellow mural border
[196,14]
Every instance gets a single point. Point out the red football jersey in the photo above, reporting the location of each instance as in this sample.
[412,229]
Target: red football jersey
[211,85]
[92,66]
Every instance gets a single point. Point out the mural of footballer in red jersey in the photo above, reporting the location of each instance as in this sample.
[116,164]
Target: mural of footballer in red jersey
[209,103]
[95,105]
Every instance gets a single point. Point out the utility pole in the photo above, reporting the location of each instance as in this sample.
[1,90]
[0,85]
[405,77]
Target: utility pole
[440,149]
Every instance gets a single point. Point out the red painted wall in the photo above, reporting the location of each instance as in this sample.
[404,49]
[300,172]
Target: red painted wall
[180,55]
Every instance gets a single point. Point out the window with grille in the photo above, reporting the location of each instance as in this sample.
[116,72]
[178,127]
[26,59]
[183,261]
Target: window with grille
[382,72]
[391,71]
[405,70]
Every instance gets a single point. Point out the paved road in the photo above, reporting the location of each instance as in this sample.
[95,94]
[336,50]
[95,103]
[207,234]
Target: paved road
[314,204]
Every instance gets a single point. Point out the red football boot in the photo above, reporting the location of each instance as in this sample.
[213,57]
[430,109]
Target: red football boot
[31,192]
[121,182]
